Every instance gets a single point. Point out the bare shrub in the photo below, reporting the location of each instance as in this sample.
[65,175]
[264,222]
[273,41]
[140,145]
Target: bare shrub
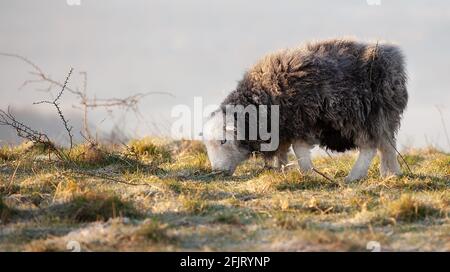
[85,102]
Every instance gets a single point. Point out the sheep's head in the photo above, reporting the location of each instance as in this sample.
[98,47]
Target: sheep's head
[224,152]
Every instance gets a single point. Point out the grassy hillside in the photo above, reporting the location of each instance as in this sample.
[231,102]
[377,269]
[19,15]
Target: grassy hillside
[156,195]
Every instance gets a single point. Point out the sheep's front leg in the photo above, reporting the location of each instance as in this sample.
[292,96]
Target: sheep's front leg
[302,151]
[362,164]
[280,160]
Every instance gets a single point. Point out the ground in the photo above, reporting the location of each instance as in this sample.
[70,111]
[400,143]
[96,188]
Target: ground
[154,195]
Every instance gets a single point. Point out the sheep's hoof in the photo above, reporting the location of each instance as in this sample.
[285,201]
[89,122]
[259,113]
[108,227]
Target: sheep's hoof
[389,174]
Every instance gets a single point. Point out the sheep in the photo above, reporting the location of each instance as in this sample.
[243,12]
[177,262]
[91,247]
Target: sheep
[340,94]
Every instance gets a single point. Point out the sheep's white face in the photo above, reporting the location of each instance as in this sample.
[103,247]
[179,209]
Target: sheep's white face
[224,155]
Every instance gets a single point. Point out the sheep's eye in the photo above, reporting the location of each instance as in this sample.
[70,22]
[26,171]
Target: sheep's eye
[223,141]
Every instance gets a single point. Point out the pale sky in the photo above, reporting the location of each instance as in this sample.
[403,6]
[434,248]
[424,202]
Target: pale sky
[202,47]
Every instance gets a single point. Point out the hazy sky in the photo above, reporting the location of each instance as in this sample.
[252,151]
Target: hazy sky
[202,48]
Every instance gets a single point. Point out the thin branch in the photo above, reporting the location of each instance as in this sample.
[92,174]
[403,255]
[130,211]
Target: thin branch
[83,101]
[55,103]
[313,169]
[109,178]
[328,153]
[322,174]
[32,64]
[129,103]
[13,176]
[26,132]
[401,156]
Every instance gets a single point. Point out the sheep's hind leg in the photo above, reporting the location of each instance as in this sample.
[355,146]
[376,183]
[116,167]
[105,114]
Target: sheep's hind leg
[280,160]
[362,164]
[389,164]
[302,151]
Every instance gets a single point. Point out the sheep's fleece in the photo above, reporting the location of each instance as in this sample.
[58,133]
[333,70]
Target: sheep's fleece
[339,93]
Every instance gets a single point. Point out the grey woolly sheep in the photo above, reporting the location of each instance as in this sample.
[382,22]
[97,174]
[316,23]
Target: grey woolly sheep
[340,94]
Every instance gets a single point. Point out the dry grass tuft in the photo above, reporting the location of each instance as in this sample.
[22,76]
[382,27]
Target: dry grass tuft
[185,147]
[150,150]
[291,221]
[91,207]
[88,154]
[8,154]
[12,153]
[154,231]
[194,205]
[409,209]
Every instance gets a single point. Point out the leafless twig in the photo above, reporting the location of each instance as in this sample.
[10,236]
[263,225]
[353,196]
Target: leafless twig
[26,132]
[312,169]
[7,118]
[322,174]
[328,153]
[86,103]
[401,156]
[55,103]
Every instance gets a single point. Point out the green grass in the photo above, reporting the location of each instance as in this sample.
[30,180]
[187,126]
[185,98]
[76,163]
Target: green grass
[177,204]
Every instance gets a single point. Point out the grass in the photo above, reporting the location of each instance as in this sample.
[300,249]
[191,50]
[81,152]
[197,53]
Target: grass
[154,231]
[5,212]
[409,209]
[89,155]
[194,205]
[177,204]
[92,207]
[228,218]
[149,149]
